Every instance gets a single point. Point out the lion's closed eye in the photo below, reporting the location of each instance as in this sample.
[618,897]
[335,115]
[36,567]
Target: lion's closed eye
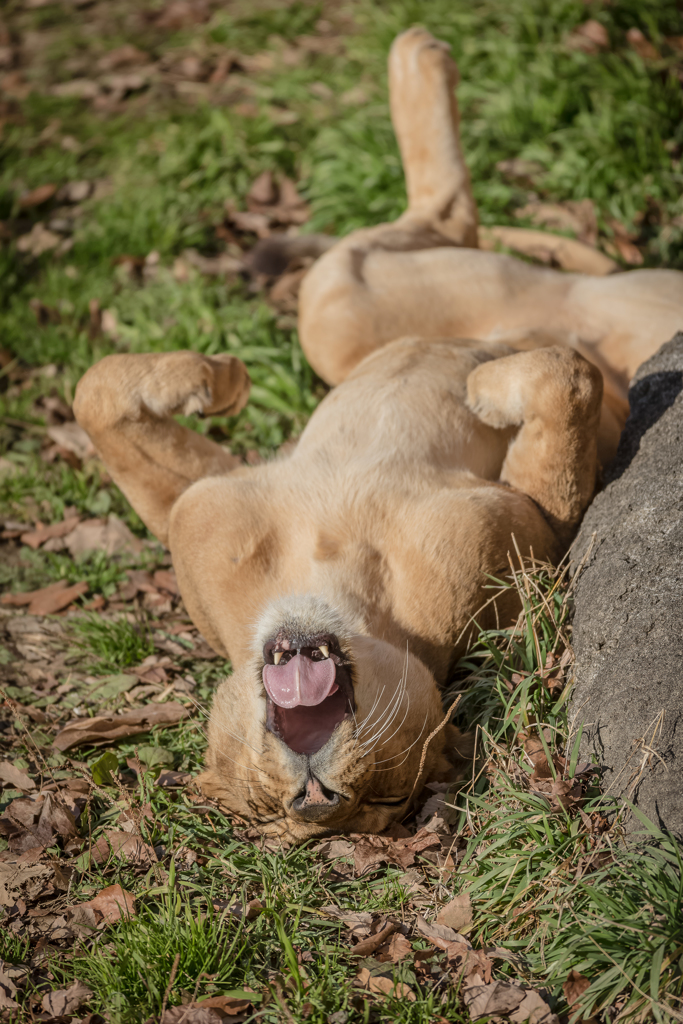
[390,801]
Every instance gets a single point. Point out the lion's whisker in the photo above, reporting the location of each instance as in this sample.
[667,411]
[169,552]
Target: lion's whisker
[390,708]
[397,730]
[391,713]
[406,751]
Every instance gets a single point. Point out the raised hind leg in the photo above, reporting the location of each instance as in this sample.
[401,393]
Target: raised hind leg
[343,315]
[424,111]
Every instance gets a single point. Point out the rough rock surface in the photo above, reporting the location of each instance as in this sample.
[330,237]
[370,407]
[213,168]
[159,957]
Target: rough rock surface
[628,624]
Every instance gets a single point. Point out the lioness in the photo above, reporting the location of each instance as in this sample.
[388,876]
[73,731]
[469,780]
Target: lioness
[340,579]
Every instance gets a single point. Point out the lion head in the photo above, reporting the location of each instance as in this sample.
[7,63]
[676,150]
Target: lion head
[324,730]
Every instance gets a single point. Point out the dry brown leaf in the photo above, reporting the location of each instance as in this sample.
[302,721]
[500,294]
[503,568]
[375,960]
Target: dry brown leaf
[278,201]
[439,934]
[382,986]
[534,1008]
[169,779]
[122,56]
[76,88]
[396,949]
[358,922]
[22,881]
[368,946]
[37,196]
[181,14]
[223,265]
[497,997]
[109,728]
[370,851]
[209,1011]
[64,1001]
[591,37]
[15,777]
[263,191]
[642,45]
[38,240]
[34,821]
[332,849]
[111,536]
[124,845]
[622,245]
[259,223]
[110,905]
[457,914]
[34,538]
[191,1014]
[519,170]
[48,600]
[560,794]
[166,579]
[574,987]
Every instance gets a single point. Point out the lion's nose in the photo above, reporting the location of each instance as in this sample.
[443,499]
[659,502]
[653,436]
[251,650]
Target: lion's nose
[316,801]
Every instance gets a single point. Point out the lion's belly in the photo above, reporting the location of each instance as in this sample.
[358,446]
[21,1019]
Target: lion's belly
[404,409]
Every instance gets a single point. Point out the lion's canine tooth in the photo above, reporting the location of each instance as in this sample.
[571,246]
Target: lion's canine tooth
[276,656]
[324,650]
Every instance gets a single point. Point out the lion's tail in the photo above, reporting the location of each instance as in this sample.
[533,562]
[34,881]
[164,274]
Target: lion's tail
[273,255]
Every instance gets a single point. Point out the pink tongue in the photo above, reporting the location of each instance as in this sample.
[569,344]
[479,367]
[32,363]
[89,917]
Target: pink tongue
[300,681]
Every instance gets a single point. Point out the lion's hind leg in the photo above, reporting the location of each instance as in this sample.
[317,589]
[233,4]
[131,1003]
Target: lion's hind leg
[126,403]
[554,395]
[424,112]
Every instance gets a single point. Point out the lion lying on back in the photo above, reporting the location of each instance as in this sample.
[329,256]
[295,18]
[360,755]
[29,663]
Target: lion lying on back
[341,579]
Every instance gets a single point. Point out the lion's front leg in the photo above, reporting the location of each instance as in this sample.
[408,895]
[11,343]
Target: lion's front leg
[554,395]
[126,402]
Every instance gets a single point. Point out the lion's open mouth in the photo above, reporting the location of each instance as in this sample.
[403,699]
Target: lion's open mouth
[309,693]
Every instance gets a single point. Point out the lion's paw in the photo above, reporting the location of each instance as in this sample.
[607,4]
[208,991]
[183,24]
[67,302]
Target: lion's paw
[187,383]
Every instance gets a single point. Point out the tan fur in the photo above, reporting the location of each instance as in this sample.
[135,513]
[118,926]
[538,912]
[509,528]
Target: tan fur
[467,414]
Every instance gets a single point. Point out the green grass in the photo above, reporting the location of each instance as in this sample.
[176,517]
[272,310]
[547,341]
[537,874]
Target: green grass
[606,126]
[114,643]
[619,924]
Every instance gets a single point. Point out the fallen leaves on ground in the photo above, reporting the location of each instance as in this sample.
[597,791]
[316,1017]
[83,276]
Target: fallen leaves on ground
[383,986]
[642,45]
[109,728]
[591,37]
[34,821]
[457,914]
[370,851]
[358,922]
[22,881]
[64,1001]
[37,196]
[209,1011]
[125,846]
[546,780]
[271,202]
[15,777]
[366,947]
[47,600]
[108,907]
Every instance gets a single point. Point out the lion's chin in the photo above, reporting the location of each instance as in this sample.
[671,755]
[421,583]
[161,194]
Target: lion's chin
[306,729]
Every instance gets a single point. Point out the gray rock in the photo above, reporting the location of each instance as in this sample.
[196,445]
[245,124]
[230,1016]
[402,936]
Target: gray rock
[628,623]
